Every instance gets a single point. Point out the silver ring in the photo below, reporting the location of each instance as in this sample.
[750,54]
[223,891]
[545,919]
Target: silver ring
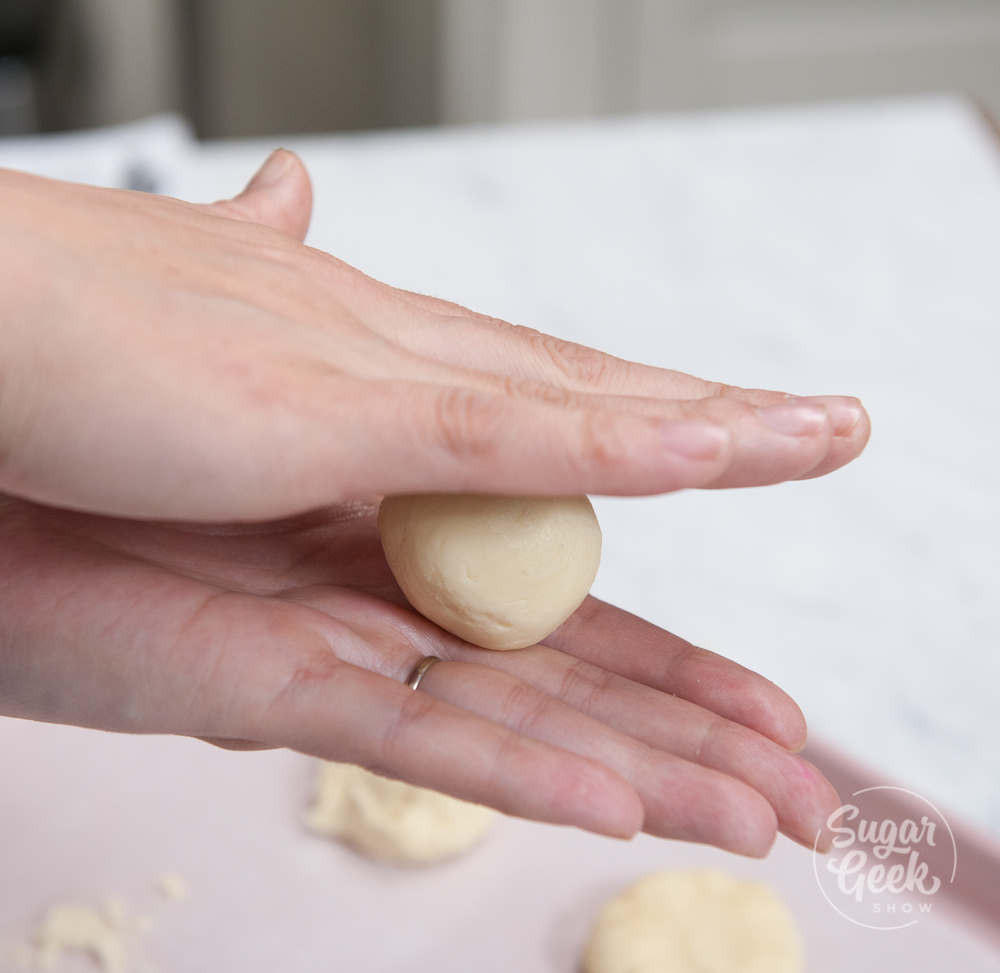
[420,670]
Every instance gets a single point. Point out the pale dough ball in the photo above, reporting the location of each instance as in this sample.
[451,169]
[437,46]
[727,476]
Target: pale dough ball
[699,921]
[393,821]
[500,572]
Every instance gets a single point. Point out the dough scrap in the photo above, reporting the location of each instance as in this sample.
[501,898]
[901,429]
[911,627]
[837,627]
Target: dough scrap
[390,820]
[109,935]
[499,572]
[82,929]
[698,921]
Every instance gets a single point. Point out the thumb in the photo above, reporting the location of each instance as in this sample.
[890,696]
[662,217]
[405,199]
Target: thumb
[279,195]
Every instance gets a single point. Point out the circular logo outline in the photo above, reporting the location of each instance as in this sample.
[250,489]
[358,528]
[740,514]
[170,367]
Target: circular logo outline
[919,797]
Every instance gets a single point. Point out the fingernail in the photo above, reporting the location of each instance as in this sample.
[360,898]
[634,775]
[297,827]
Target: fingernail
[274,167]
[799,746]
[694,438]
[819,836]
[844,411]
[818,840]
[794,418]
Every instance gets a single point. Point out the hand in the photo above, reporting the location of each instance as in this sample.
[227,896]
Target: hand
[184,363]
[161,359]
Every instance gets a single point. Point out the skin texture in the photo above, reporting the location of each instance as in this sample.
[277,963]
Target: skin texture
[198,416]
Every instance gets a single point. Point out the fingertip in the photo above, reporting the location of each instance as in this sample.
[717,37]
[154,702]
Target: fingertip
[590,796]
[823,841]
[754,829]
[692,802]
[773,713]
[848,443]
[791,729]
[863,430]
[747,824]
[747,697]
[273,169]
[299,189]
[825,804]
[796,743]
[279,195]
[820,840]
[290,191]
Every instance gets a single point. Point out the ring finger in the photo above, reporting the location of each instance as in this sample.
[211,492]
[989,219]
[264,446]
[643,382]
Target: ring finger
[682,798]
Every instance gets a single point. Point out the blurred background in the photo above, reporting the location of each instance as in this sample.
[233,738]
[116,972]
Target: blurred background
[257,67]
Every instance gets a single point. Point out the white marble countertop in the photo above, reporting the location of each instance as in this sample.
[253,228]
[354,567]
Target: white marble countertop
[845,248]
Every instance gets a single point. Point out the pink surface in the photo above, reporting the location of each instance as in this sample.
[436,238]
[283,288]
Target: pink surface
[85,815]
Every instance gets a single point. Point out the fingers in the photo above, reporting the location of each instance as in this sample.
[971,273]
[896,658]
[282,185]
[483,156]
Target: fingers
[454,334]
[346,713]
[852,430]
[461,338]
[398,437]
[682,798]
[801,797]
[769,444]
[279,196]
[466,339]
[799,794]
[321,705]
[621,642]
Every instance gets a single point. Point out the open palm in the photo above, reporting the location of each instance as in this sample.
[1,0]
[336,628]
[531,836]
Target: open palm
[294,634]
[176,377]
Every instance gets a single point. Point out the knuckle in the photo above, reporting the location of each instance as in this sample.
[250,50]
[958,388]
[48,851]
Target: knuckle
[523,707]
[732,393]
[538,391]
[722,407]
[573,363]
[467,423]
[416,708]
[719,390]
[582,684]
[601,444]
[501,325]
[519,330]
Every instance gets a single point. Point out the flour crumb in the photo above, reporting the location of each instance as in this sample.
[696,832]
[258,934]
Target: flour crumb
[173,886]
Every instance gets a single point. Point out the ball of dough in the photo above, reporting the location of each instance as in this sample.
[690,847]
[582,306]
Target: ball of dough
[391,820]
[699,921]
[500,572]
